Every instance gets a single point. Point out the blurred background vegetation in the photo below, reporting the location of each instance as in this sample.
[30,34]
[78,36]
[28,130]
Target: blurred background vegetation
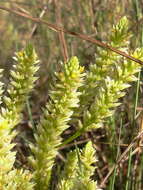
[94,18]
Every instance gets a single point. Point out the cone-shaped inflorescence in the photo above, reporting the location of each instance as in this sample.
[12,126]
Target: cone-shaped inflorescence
[105,65]
[110,92]
[59,109]
[21,83]
[79,170]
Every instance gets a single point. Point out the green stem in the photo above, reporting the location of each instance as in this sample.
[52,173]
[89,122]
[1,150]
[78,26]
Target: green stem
[30,113]
[73,137]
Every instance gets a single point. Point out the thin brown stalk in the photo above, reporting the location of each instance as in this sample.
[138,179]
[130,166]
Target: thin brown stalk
[61,33]
[36,25]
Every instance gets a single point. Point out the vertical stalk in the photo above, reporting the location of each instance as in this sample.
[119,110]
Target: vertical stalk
[118,152]
[134,116]
[29,113]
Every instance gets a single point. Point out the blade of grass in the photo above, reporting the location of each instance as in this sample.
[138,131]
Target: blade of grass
[118,153]
[29,113]
[134,116]
[129,170]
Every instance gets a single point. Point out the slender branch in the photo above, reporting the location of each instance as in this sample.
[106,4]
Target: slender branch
[81,36]
[61,34]
[36,25]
